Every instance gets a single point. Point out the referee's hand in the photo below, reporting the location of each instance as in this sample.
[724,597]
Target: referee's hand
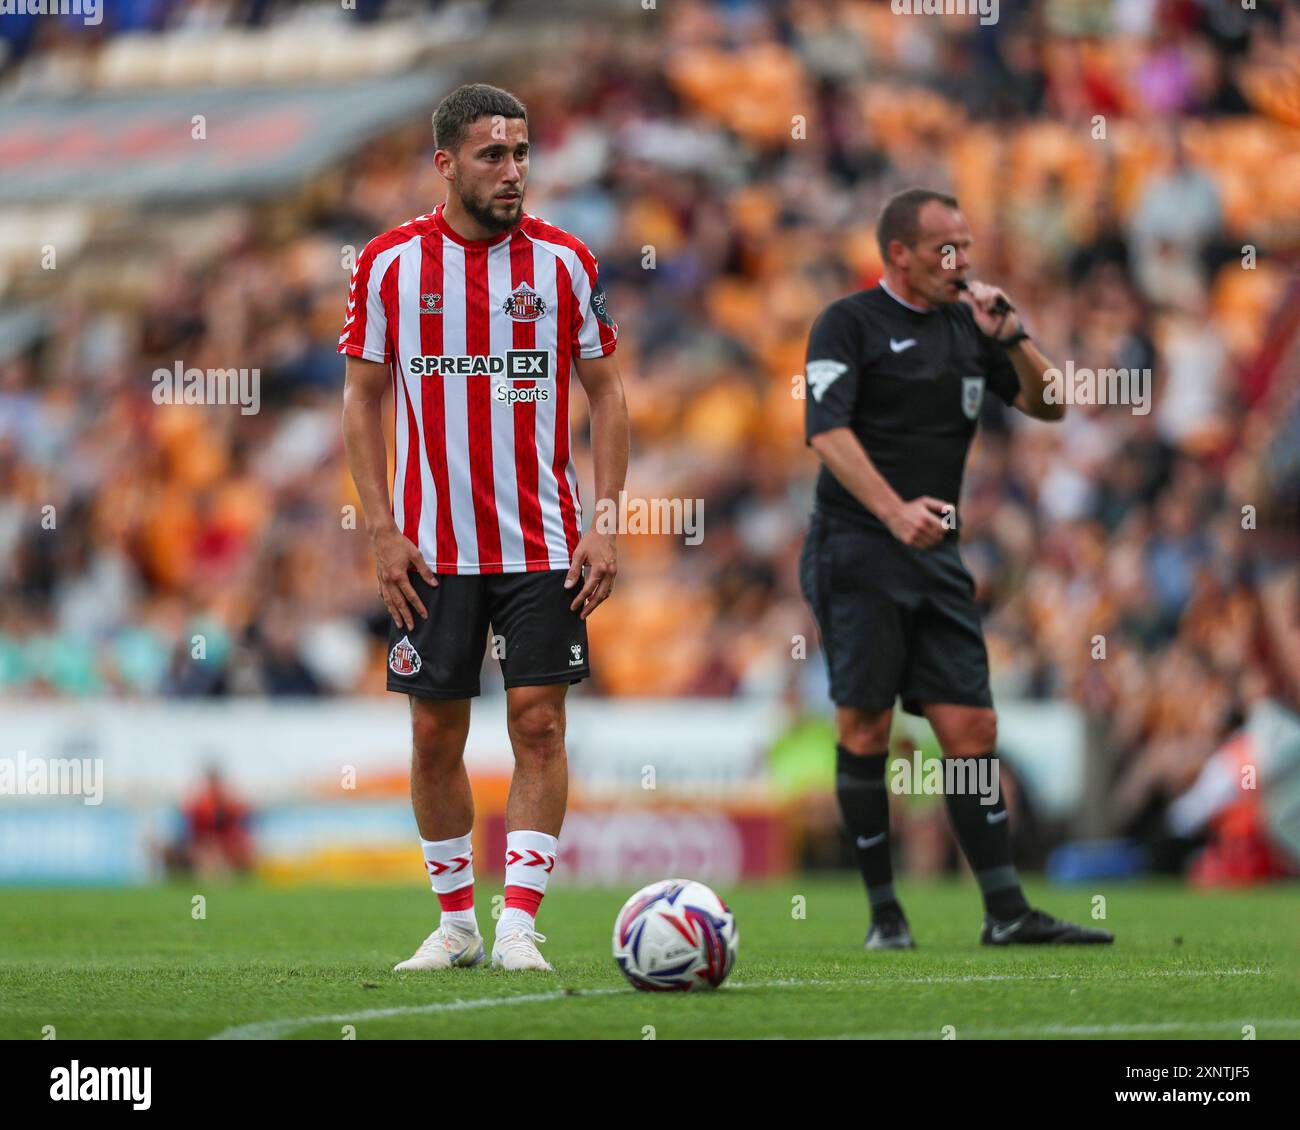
[994,322]
[917,523]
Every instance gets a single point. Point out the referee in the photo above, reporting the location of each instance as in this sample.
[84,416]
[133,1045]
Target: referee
[896,377]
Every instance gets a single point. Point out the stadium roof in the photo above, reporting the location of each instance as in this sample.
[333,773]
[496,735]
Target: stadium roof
[148,147]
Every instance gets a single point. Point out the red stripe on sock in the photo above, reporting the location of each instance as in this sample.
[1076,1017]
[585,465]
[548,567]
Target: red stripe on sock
[524,898]
[462,899]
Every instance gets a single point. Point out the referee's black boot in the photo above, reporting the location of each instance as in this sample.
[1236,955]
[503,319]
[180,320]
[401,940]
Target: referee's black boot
[891,934]
[1036,928]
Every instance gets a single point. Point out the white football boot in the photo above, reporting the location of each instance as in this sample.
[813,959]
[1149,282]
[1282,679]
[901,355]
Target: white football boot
[446,948]
[516,948]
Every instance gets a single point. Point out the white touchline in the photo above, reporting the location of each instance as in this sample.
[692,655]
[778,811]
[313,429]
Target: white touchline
[1063,1030]
[274,1029]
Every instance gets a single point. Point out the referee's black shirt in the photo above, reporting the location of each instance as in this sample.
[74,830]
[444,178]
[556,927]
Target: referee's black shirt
[909,383]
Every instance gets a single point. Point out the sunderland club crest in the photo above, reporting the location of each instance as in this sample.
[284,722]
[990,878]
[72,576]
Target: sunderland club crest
[404,659]
[524,304]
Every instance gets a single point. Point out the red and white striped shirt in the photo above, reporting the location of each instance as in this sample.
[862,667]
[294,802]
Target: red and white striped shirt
[480,335]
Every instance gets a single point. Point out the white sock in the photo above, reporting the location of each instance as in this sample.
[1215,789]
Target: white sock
[512,915]
[450,864]
[461,919]
[530,859]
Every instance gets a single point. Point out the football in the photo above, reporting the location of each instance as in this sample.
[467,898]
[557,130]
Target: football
[675,935]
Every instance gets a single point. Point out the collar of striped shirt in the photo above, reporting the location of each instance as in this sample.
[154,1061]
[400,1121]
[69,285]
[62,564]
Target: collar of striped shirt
[447,230]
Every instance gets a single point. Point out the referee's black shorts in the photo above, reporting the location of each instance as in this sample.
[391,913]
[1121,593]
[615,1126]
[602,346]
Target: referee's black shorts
[894,621]
[535,635]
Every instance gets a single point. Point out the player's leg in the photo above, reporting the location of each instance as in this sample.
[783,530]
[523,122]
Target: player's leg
[976,808]
[440,792]
[444,806]
[539,791]
[948,681]
[437,665]
[862,753]
[981,823]
[861,615]
[545,651]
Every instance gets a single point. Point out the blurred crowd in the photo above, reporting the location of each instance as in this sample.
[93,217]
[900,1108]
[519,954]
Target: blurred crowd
[84,24]
[1132,178]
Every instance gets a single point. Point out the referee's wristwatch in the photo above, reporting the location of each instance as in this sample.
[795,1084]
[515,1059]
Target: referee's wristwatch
[1015,339]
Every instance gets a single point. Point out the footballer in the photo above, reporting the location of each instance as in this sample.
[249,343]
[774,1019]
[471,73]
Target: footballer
[476,315]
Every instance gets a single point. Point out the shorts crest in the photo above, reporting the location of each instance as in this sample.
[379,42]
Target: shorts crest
[404,659]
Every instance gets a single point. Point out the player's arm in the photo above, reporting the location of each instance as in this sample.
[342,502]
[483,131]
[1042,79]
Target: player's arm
[916,523]
[833,373]
[1031,366]
[363,440]
[1028,360]
[610,440]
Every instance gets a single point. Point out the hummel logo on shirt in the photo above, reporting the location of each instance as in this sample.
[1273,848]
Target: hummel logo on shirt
[899,346]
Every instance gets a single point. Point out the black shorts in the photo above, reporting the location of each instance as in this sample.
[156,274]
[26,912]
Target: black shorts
[537,638]
[893,620]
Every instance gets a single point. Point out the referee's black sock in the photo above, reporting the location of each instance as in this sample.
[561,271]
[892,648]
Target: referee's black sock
[985,839]
[864,804]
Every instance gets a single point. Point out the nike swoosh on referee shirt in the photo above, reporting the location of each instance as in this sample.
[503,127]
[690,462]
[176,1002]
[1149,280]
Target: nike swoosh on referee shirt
[899,346]
[863,842]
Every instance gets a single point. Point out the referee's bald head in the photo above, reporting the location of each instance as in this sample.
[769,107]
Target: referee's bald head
[900,217]
[925,243]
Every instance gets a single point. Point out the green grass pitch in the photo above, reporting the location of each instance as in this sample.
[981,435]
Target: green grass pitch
[301,963]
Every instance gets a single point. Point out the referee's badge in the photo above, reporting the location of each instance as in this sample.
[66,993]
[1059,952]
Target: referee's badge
[972,396]
[404,659]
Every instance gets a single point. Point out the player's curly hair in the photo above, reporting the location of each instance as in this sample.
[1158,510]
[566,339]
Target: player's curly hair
[465,105]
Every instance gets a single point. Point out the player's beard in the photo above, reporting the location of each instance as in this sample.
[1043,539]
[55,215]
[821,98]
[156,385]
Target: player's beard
[483,213]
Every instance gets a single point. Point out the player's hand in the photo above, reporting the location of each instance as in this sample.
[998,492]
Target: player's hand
[395,557]
[600,554]
[918,523]
[980,297]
